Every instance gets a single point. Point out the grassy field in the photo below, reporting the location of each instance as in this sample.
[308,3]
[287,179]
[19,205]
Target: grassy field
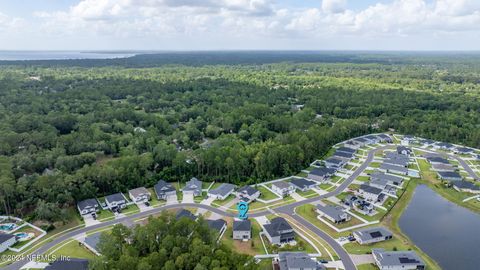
[367,266]
[363,178]
[307,194]
[74,249]
[266,194]
[375,164]
[105,215]
[227,200]
[326,186]
[252,247]
[307,211]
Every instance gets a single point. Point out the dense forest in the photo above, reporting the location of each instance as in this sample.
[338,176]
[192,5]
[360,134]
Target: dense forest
[168,244]
[71,130]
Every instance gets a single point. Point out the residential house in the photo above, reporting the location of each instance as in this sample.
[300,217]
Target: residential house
[221,192]
[407,140]
[464,150]
[164,190]
[361,141]
[385,138]
[342,155]
[397,260]
[321,174]
[437,160]
[426,142]
[346,150]
[248,194]
[391,179]
[183,213]
[6,241]
[279,232]
[303,184]
[450,176]
[283,188]
[402,150]
[397,162]
[70,264]
[389,168]
[334,163]
[465,186]
[242,230]
[440,167]
[372,235]
[335,214]
[88,206]
[353,144]
[379,183]
[218,225]
[443,146]
[296,261]
[349,200]
[140,195]
[194,187]
[372,139]
[116,201]
[364,207]
[369,193]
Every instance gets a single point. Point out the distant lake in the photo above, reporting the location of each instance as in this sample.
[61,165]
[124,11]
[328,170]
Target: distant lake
[448,233]
[59,55]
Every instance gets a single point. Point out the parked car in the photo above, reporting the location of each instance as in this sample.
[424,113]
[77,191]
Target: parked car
[147,203]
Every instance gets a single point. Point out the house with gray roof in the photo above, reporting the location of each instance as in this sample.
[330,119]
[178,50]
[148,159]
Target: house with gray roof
[352,144]
[116,201]
[283,188]
[139,195]
[372,138]
[397,260]
[440,167]
[346,150]
[194,187]
[303,184]
[385,138]
[335,214]
[242,230]
[6,241]
[402,150]
[164,190]
[437,160]
[219,225]
[222,191]
[379,183]
[396,162]
[91,242]
[296,261]
[184,213]
[390,168]
[391,179]
[278,231]
[248,193]
[369,193]
[321,174]
[334,163]
[70,264]
[372,235]
[443,145]
[88,206]
[342,155]
[449,176]
[464,150]
[465,186]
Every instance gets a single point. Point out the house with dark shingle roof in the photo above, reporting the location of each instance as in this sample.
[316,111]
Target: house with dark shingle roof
[242,230]
[248,194]
[116,201]
[303,184]
[372,235]
[321,174]
[87,206]
[6,241]
[369,193]
[440,167]
[279,231]
[184,213]
[334,163]
[346,150]
[390,168]
[402,150]
[222,191]
[342,155]
[385,138]
[194,187]
[219,225]
[465,186]
[450,176]
[464,150]
[391,179]
[443,145]
[437,160]
[397,260]
[164,190]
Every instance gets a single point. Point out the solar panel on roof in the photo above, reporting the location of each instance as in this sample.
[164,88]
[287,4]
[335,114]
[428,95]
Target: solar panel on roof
[407,260]
[376,234]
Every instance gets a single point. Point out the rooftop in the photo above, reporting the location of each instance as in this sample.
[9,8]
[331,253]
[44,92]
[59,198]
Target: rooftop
[322,171]
[216,224]
[242,225]
[334,212]
[302,182]
[87,203]
[115,197]
[397,258]
[223,189]
[139,191]
[295,260]
[466,185]
[281,185]
[372,233]
[71,264]
[370,189]
[163,187]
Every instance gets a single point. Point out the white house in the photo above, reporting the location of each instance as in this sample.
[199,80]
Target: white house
[283,188]
[116,201]
[88,206]
[140,195]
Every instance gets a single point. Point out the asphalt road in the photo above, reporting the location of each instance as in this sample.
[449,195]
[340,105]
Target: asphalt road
[286,209]
[466,167]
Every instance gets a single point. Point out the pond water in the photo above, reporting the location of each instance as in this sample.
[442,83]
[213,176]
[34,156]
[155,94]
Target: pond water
[448,233]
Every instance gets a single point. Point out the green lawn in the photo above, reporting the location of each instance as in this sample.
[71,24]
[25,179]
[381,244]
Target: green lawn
[205,185]
[131,209]
[368,266]
[375,164]
[154,201]
[326,186]
[363,178]
[265,193]
[301,245]
[307,194]
[105,215]
[252,247]
[302,174]
[74,250]
[227,200]
[307,211]
[393,244]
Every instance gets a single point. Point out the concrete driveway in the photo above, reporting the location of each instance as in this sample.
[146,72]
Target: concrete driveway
[187,198]
[172,199]
[297,197]
[89,221]
[143,207]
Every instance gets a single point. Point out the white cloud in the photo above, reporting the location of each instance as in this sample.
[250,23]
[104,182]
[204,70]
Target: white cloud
[226,22]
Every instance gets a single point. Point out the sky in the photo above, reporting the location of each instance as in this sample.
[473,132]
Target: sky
[240,25]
